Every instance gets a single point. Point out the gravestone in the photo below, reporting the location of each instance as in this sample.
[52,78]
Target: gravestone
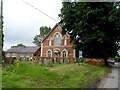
[40,61]
[61,60]
[49,63]
[55,60]
[45,61]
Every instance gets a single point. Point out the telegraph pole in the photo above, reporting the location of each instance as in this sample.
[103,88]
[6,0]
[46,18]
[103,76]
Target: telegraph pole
[1,5]
[1,9]
[1,39]
[1,30]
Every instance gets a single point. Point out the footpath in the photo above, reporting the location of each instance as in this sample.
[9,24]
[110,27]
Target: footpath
[112,81]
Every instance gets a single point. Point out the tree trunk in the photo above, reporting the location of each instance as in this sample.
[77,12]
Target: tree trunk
[106,63]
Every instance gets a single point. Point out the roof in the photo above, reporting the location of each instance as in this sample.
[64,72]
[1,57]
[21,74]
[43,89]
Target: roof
[50,32]
[27,49]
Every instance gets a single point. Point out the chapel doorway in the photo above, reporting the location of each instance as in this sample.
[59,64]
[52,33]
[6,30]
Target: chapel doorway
[56,55]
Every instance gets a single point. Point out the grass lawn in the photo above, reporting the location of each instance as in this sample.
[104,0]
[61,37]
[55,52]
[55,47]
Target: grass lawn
[58,76]
[0,76]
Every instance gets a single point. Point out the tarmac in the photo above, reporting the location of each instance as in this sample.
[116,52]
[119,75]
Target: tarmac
[112,80]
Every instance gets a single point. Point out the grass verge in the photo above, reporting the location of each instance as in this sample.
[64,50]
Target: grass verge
[58,76]
[0,76]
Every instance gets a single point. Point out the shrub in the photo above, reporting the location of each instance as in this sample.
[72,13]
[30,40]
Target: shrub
[78,60]
[117,59]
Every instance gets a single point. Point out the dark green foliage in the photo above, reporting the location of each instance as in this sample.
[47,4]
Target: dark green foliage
[37,40]
[19,45]
[117,58]
[44,30]
[94,27]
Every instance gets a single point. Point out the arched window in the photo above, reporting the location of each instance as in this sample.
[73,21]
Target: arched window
[56,53]
[48,54]
[64,54]
[57,39]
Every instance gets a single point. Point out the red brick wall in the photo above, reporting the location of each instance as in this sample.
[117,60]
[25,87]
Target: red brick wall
[68,47]
[37,53]
[95,61]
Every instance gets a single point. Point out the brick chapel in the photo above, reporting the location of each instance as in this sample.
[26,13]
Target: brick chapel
[57,45]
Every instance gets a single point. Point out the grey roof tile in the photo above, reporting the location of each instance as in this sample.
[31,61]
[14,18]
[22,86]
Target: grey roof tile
[27,49]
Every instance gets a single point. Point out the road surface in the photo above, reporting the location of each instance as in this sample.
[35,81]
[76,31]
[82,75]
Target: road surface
[112,81]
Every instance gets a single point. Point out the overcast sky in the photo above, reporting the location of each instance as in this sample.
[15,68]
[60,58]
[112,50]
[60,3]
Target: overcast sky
[22,22]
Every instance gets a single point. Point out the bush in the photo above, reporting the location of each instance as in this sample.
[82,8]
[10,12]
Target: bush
[78,60]
[117,59]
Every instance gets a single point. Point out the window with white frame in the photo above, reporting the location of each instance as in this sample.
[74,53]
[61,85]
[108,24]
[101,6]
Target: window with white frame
[8,55]
[28,55]
[21,55]
[14,54]
[57,39]
[48,54]
[64,54]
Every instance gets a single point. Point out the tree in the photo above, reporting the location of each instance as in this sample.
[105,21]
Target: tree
[44,30]
[94,27]
[19,45]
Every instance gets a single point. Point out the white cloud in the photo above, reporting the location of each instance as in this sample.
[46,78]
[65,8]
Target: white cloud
[22,22]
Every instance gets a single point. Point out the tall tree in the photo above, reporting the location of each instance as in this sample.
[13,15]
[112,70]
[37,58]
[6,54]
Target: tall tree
[44,30]
[94,27]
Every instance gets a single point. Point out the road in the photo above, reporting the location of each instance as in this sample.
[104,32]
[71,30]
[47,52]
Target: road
[112,80]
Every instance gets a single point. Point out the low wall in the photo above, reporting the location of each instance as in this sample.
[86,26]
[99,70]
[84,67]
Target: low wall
[95,61]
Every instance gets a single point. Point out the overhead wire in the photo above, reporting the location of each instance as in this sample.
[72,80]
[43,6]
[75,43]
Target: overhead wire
[39,10]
